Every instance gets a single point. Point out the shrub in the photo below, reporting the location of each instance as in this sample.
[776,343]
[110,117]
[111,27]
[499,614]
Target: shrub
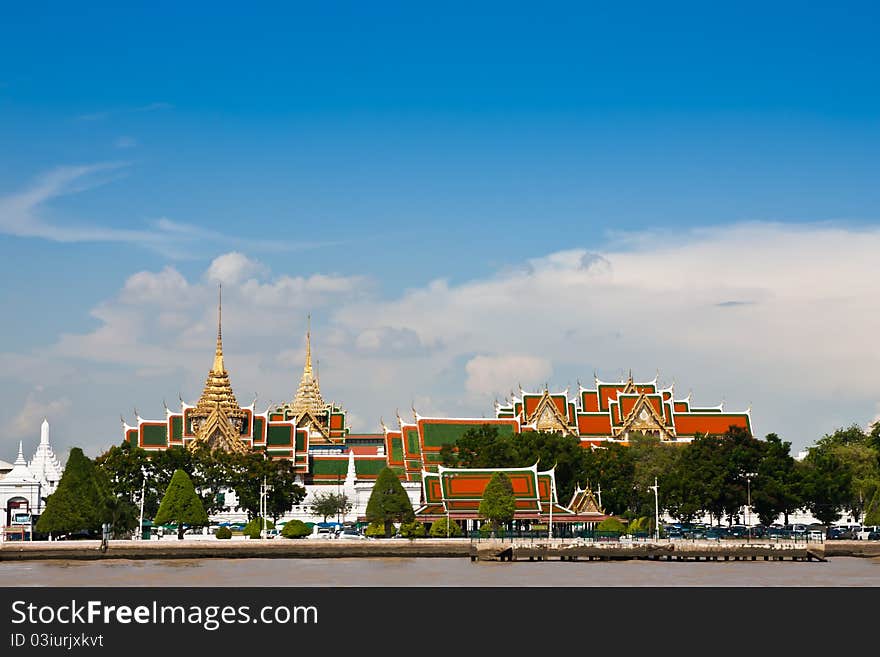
[223,532]
[255,526]
[296,529]
[611,525]
[638,526]
[375,529]
[413,529]
[438,529]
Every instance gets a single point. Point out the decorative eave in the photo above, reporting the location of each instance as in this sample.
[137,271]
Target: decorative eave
[629,420]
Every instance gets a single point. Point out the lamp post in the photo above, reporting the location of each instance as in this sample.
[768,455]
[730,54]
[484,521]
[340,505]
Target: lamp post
[748,476]
[263,507]
[656,489]
[141,521]
[550,525]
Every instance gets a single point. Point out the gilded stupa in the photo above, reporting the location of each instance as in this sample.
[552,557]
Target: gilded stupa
[217,420]
[308,394]
[326,422]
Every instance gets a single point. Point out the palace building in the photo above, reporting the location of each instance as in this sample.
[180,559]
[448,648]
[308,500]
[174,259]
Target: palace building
[307,430]
[314,434]
[610,411]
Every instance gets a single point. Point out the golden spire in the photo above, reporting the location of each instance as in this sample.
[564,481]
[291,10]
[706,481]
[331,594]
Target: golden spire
[218,367]
[308,367]
[308,394]
[217,418]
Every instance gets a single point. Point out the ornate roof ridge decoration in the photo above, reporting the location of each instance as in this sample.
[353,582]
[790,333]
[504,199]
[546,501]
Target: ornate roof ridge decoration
[217,418]
[639,420]
[583,500]
[548,417]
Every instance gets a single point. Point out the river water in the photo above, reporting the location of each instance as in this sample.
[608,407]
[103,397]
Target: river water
[838,571]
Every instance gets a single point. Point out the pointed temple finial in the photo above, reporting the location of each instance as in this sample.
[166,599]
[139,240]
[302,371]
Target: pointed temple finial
[218,354]
[44,432]
[630,375]
[309,342]
[20,454]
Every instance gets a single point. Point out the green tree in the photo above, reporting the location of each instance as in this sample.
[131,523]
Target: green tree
[181,505]
[126,467]
[389,502]
[485,447]
[826,484]
[776,488]
[652,459]
[438,529]
[613,468]
[246,476]
[872,511]
[611,525]
[499,503]
[79,502]
[327,504]
[553,450]
[448,455]
[254,527]
[859,454]
[295,529]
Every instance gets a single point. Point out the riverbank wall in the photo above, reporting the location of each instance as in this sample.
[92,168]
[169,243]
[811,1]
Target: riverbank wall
[265,549]
[424,548]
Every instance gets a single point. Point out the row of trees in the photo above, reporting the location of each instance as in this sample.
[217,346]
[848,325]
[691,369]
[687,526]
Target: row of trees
[712,475]
[128,468]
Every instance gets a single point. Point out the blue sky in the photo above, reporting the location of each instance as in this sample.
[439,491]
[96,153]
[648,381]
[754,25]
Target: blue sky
[386,149]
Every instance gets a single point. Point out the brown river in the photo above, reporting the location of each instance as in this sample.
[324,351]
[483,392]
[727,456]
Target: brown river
[838,571]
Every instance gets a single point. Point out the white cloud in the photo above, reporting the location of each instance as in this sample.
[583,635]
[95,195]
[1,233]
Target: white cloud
[26,423]
[233,267]
[494,375]
[781,318]
[23,214]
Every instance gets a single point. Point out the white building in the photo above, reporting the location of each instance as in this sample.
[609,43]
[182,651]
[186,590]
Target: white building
[25,486]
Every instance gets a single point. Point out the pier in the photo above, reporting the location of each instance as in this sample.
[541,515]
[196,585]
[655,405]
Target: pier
[574,550]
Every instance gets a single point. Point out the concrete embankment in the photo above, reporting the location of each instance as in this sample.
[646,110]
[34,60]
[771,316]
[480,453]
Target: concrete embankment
[852,549]
[647,550]
[236,549]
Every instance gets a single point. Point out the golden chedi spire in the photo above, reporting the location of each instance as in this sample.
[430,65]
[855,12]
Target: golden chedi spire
[217,418]
[308,394]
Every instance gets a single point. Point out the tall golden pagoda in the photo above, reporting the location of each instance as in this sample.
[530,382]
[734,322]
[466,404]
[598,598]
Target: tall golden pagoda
[218,420]
[325,422]
[308,394]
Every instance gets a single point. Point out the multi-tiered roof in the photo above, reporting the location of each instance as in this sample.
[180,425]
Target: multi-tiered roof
[217,419]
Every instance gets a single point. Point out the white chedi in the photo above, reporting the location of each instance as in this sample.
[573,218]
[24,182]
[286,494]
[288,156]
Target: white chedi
[45,466]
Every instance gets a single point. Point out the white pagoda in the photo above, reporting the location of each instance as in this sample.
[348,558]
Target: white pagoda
[45,465]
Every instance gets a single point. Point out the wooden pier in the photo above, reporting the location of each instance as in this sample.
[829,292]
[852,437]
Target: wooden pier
[529,550]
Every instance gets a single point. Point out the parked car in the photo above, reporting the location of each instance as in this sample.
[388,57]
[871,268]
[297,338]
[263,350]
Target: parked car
[350,533]
[869,533]
[322,533]
[778,532]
